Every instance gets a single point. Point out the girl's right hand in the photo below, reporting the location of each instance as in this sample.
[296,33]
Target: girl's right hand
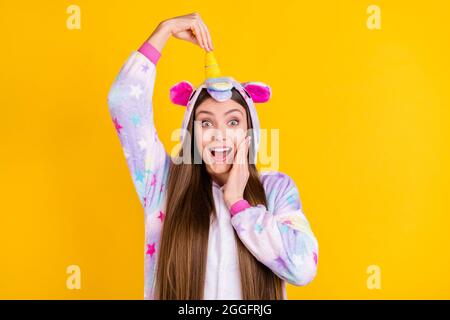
[184,27]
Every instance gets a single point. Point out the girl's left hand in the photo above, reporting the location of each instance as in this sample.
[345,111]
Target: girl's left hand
[238,177]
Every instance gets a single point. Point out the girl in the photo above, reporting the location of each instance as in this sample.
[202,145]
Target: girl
[215,228]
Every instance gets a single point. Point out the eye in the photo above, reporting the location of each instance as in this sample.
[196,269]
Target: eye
[206,123]
[234,122]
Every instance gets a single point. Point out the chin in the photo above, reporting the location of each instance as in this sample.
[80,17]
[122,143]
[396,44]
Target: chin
[219,168]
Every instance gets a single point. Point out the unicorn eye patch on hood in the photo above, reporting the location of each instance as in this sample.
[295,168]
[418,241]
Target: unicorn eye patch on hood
[220,89]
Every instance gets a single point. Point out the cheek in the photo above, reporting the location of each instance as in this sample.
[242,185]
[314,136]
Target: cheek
[203,138]
[237,135]
[206,137]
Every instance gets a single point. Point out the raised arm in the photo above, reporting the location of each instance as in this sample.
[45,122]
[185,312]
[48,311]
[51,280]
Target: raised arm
[130,102]
[131,108]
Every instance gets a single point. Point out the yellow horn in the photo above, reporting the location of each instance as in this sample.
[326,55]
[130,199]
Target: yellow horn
[212,69]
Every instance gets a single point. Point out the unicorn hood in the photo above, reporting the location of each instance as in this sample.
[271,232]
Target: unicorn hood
[220,88]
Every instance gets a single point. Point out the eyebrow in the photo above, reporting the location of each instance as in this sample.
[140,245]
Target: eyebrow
[229,111]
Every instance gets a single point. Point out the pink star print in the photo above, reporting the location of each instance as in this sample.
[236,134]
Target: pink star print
[151,249]
[117,125]
[161,216]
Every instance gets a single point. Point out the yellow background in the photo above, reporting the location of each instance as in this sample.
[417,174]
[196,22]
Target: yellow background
[363,118]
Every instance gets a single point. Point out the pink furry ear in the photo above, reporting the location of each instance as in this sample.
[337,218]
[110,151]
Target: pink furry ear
[180,93]
[259,91]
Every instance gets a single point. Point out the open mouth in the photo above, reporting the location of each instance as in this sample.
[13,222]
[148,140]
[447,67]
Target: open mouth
[220,154]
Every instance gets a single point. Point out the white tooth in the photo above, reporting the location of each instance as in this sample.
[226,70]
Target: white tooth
[221,149]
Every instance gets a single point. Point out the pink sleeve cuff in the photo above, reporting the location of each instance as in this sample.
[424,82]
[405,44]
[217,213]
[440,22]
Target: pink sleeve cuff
[150,52]
[239,206]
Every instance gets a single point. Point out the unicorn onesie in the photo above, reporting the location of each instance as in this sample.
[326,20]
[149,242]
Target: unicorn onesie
[279,235]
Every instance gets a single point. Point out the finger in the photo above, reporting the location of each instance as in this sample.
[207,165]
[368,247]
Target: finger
[208,35]
[197,34]
[241,153]
[235,158]
[204,37]
[247,148]
[192,38]
[242,158]
[188,36]
[238,156]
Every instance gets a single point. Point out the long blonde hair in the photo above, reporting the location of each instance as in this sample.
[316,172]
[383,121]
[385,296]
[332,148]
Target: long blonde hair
[181,265]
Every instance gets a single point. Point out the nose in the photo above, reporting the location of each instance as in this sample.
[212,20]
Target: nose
[219,135]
